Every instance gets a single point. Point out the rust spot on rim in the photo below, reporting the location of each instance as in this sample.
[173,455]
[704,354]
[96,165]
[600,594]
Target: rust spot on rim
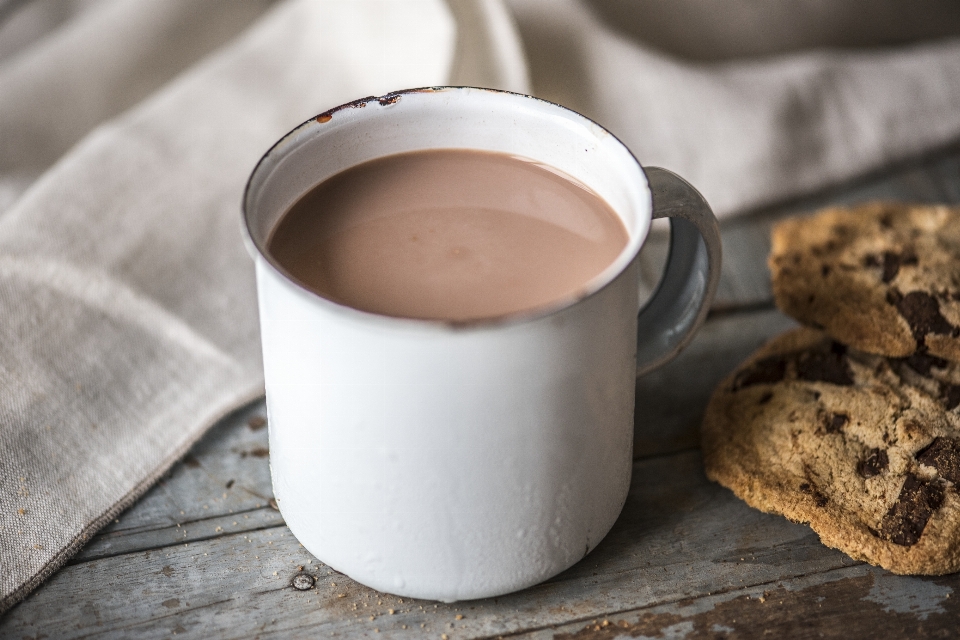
[327,116]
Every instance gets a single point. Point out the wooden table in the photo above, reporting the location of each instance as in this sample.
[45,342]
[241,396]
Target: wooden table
[204,554]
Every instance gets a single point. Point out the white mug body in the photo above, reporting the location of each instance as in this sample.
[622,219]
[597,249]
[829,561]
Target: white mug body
[446,460]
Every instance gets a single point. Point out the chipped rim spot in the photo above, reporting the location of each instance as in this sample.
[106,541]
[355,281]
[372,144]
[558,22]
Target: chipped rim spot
[384,100]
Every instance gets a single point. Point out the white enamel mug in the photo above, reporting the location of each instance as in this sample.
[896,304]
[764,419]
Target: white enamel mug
[458,461]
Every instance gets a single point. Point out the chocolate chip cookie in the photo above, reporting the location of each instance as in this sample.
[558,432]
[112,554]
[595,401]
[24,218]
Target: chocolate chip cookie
[866,449]
[880,277]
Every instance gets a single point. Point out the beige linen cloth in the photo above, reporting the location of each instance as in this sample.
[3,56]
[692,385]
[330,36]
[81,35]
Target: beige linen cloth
[128,128]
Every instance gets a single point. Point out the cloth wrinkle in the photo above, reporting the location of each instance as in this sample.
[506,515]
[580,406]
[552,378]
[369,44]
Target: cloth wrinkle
[128,130]
[111,298]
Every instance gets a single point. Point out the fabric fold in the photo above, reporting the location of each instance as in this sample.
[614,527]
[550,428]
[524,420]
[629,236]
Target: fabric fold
[94,67]
[747,132]
[128,303]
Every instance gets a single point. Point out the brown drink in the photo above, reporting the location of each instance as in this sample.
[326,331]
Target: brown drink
[448,234]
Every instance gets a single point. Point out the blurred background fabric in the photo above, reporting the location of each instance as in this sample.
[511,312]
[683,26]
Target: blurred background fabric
[753,101]
[128,129]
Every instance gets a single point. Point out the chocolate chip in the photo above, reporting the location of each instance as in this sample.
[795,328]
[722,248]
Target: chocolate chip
[922,312]
[874,464]
[903,524]
[950,395]
[825,270]
[834,422]
[891,266]
[894,297]
[871,260]
[922,362]
[828,247]
[824,367]
[764,371]
[838,348]
[818,498]
[893,261]
[943,454]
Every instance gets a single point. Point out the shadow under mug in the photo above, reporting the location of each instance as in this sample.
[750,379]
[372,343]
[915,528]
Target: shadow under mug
[456,461]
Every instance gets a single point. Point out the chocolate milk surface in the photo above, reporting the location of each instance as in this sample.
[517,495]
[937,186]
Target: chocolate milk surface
[451,234]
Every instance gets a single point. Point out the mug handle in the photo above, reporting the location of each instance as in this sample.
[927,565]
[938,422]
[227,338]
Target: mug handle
[679,305]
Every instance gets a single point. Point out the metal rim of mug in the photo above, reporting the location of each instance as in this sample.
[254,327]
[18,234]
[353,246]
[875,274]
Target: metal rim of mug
[592,288]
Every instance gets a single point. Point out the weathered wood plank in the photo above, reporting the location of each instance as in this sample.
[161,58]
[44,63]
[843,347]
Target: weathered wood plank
[127,541]
[224,473]
[679,537]
[862,601]
[224,479]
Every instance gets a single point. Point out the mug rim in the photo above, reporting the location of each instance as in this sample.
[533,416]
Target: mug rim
[257,250]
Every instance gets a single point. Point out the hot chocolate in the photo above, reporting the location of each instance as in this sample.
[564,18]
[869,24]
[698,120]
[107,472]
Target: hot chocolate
[448,234]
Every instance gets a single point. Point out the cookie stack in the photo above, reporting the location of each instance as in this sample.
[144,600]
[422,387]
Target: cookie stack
[852,422]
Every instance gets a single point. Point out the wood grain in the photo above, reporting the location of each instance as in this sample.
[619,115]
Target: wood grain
[679,537]
[844,603]
[204,554]
[225,478]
